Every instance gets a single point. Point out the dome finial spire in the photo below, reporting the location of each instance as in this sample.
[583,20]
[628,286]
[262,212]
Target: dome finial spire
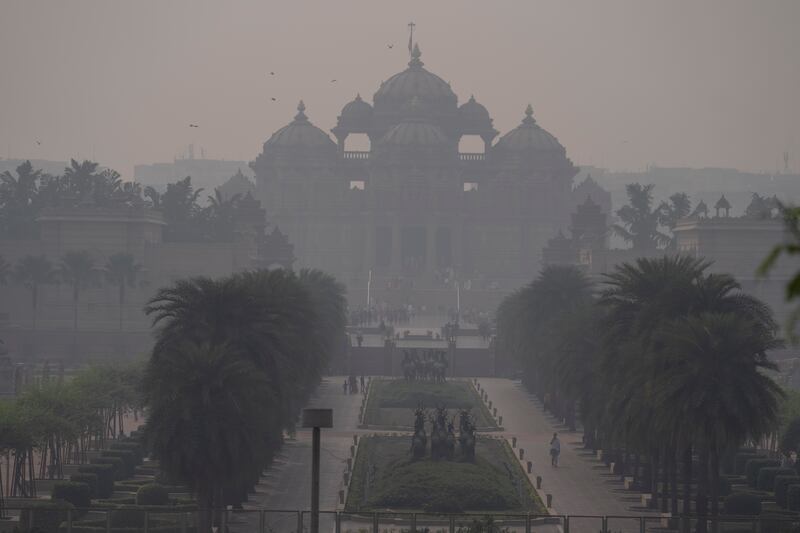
[415,57]
[301,108]
[529,115]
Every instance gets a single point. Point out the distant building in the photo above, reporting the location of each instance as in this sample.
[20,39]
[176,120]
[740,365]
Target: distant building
[411,211]
[205,173]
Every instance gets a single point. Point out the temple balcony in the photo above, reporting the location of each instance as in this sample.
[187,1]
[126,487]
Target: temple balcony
[472,157]
[358,155]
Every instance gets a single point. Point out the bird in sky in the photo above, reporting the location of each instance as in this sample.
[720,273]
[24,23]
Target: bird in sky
[274,99]
[333,81]
[39,143]
[271,73]
[390,46]
[193,126]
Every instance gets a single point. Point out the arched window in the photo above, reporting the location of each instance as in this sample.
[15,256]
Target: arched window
[357,142]
[471,144]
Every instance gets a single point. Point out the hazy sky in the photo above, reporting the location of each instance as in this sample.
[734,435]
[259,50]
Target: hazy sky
[622,84]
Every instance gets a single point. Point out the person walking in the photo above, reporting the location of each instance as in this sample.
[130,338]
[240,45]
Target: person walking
[555,449]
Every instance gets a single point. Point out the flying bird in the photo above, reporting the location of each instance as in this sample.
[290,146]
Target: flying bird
[390,46]
[333,81]
[271,73]
[274,99]
[39,143]
[193,126]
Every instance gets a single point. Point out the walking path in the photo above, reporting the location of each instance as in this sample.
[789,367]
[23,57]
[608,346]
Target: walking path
[580,485]
[286,485]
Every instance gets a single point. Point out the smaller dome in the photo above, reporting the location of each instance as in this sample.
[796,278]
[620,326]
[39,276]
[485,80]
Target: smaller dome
[299,133]
[529,136]
[473,111]
[358,109]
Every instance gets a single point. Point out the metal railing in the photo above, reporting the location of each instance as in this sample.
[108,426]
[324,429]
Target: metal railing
[32,517]
[352,154]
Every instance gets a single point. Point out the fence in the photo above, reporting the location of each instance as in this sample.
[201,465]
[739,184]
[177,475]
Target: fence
[34,517]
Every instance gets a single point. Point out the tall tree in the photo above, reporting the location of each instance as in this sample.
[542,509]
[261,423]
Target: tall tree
[640,220]
[714,382]
[679,206]
[222,215]
[33,271]
[81,178]
[121,270]
[77,270]
[18,196]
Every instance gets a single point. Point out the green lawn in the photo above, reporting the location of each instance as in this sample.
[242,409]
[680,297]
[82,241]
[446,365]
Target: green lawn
[401,484]
[392,403]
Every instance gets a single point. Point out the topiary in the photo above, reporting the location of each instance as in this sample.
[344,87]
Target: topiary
[89,479]
[152,494]
[128,457]
[44,516]
[127,518]
[119,468]
[781,486]
[73,492]
[105,478]
[767,475]
[741,459]
[752,467]
[793,498]
[131,446]
[742,504]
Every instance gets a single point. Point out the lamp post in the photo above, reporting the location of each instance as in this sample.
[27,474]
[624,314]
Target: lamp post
[316,419]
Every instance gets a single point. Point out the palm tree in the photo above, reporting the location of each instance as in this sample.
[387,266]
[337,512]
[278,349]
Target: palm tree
[640,220]
[206,421]
[715,384]
[34,271]
[121,269]
[77,269]
[222,215]
[18,198]
[81,177]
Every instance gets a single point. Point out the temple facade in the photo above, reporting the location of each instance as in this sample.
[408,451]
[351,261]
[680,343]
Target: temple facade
[413,210]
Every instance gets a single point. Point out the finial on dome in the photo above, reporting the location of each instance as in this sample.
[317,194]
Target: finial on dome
[301,107]
[358,97]
[529,116]
[415,57]
[472,98]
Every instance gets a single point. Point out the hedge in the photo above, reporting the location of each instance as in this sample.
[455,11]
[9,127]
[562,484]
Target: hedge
[793,498]
[767,475]
[152,494]
[105,478]
[89,479]
[128,457]
[78,494]
[752,467]
[134,447]
[741,460]
[781,486]
[120,471]
[44,516]
[742,504]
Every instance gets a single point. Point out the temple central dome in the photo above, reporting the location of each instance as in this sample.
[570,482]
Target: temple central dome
[415,81]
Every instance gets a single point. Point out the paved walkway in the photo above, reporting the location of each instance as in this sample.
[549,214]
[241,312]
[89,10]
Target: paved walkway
[286,485]
[580,485]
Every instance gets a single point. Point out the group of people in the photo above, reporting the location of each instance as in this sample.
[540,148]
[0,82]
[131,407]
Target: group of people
[351,385]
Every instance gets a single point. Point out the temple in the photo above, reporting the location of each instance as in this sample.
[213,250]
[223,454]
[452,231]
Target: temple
[413,210]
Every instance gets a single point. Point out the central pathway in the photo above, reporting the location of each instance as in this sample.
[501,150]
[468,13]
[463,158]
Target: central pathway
[579,485]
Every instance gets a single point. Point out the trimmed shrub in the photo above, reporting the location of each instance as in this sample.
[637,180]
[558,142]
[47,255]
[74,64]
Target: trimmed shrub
[116,463]
[152,494]
[793,498]
[128,457]
[89,479]
[790,438]
[752,467]
[126,445]
[742,504]
[44,516]
[767,475]
[741,460]
[73,492]
[127,518]
[105,478]
[781,486]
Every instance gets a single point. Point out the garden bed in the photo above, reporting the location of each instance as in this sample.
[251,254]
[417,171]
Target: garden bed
[386,479]
[391,402]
